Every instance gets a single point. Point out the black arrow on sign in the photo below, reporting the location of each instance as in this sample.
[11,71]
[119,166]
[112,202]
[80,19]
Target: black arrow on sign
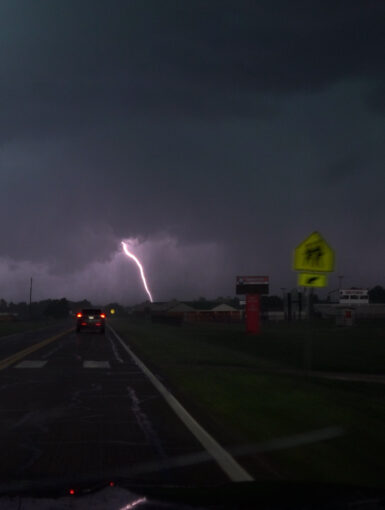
[312,279]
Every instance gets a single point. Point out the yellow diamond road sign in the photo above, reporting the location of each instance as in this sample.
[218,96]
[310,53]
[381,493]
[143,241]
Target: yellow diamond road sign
[314,254]
[312,280]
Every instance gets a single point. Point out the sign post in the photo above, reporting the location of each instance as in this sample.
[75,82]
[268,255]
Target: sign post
[253,287]
[313,260]
[253,314]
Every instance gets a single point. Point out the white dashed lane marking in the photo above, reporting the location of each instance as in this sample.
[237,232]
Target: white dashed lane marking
[96,364]
[31,363]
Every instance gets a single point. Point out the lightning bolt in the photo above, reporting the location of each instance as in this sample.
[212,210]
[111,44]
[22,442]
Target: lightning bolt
[132,256]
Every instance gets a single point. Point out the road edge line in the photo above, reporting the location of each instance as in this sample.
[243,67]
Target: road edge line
[226,462]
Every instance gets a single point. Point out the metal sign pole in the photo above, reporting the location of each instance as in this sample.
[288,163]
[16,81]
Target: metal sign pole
[310,303]
[30,298]
[289,308]
[300,305]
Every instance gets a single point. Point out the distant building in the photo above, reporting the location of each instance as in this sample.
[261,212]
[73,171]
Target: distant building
[353,297]
[219,313]
[8,316]
[181,310]
[157,306]
[177,309]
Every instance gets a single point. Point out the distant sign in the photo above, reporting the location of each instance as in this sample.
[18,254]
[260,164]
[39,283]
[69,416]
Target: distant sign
[354,296]
[354,292]
[252,285]
[314,255]
[312,280]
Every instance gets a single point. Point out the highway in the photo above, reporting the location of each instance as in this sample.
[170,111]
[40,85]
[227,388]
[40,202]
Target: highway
[77,406]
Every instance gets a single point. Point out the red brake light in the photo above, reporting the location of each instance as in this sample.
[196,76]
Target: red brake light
[72,492]
[79,315]
[102,315]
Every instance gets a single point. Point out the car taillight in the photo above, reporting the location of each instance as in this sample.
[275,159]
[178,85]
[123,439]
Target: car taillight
[79,315]
[102,315]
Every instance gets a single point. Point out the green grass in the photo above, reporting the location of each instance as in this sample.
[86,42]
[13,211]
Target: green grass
[357,349]
[10,328]
[225,382]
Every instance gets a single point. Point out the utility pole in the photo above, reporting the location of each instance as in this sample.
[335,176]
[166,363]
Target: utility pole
[340,278]
[30,299]
[310,303]
[283,301]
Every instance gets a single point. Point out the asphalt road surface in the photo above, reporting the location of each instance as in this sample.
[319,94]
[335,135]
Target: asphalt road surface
[79,406]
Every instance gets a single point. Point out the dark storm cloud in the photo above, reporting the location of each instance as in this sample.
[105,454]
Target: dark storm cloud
[65,61]
[72,64]
[376,98]
[345,169]
[208,130]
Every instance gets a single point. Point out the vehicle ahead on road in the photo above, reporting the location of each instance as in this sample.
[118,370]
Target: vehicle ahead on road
[90,318]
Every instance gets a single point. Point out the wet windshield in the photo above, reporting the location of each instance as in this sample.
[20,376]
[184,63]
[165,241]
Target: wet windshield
[191,267]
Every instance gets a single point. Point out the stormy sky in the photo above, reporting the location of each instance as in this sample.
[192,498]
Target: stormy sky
[214,135]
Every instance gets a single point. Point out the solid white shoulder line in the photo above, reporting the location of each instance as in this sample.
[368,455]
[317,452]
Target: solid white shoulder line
[227,463]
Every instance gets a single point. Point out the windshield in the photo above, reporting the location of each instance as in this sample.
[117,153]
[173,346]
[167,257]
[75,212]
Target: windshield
[192,279]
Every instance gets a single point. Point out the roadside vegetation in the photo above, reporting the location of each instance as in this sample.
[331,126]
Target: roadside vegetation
[10,328]
[236,386]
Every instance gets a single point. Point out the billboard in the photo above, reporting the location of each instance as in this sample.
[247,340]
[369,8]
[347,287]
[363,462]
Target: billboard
[252,285]
[353,297]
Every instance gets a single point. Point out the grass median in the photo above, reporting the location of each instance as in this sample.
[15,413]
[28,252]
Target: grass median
[14,327]
[236,394]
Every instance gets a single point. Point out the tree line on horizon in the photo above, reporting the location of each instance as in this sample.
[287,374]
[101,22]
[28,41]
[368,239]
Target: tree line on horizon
[54,308]
[61,308]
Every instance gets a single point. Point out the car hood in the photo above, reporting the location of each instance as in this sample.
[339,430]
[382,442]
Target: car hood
[126,495]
